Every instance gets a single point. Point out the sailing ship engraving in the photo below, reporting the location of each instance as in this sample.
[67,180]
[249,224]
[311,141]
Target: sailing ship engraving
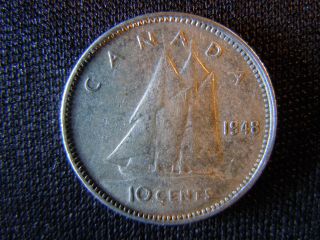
[174,127]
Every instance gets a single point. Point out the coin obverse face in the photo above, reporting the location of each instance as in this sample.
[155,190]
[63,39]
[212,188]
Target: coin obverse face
[168,118]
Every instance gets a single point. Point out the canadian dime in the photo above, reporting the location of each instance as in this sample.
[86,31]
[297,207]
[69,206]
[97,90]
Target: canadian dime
[168,118]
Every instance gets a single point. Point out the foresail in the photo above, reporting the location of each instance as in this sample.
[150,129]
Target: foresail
[133,144]
[150,96]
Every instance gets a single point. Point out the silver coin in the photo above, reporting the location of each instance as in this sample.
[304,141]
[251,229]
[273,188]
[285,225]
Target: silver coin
[168,118]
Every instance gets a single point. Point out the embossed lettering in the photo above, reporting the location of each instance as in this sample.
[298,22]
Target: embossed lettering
[112,59]
[160,196]
[149,40]
[131,194]
[237,77]
[175,195]
[214,50]
[196,195]
[143,194]
[166,196]
[186,195]
[91,88]
[180,37]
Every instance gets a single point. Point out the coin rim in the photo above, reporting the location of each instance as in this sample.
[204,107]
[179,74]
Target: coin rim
[249,180]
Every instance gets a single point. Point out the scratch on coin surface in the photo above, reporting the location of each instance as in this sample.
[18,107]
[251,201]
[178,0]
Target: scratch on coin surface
[90,88]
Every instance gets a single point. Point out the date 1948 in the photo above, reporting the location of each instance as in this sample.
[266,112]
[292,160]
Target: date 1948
[232,128]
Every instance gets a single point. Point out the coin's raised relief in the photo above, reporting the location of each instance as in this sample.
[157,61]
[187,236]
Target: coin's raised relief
[168,118]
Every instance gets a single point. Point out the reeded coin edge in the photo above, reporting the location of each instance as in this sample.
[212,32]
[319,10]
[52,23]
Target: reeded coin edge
[256,67]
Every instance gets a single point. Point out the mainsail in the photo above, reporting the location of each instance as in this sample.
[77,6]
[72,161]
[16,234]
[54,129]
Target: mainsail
[174,126]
